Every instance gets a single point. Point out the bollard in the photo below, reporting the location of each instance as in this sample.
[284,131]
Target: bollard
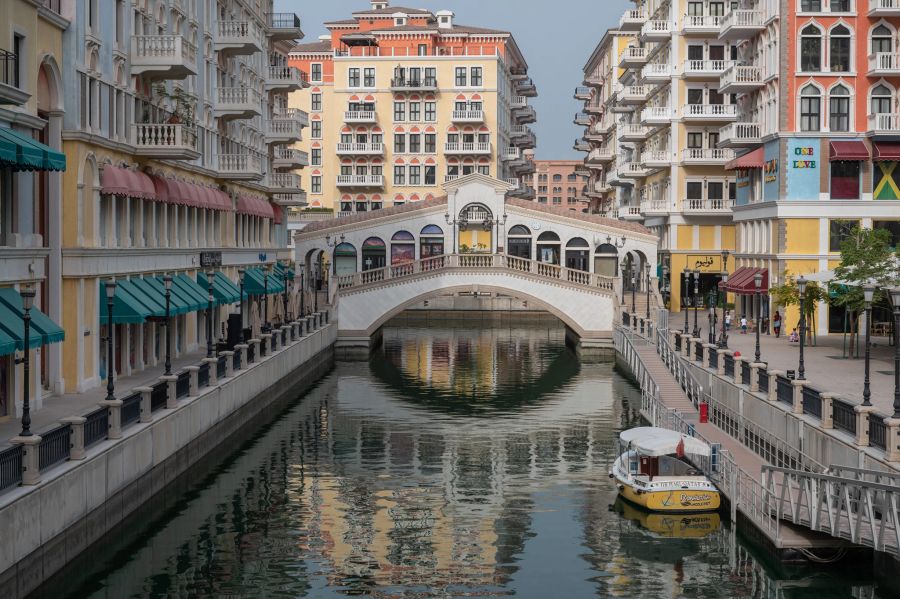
[828,409]
[146,404]
[193,381]
[798,396]
[31,474]
[265,344]
[720,358]
[76,440]
[229,363]
[862,424]
[115,417]
[213,371]
[773,384]
[754,375]
[171,392]
[892,453]
[738,370]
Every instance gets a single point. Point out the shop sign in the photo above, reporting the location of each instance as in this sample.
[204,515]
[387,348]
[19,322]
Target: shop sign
[210,259]
[704,262]
[803,164]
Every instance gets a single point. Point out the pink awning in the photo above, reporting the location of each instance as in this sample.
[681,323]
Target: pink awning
[165,192]
[278,213]
[754,159]
[119,181]
[255,206]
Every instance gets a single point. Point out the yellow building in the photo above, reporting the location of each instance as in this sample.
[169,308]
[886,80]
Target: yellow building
[402,100]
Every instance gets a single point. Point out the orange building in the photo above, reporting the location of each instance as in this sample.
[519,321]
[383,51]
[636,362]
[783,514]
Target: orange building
[556,182]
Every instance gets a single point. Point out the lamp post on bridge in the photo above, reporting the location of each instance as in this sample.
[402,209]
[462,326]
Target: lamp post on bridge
[684,296]
[868,296]
[757,283]
[332,244]
[895,302]
[648,291]
[801,288]
[633,272]
[27,303]
[210,275]
[622,267]
[110,338]
[241,274]
[696,298]
[723,339]
[456,224]
[167,282]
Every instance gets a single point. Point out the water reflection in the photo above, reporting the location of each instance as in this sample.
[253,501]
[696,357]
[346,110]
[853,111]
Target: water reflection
[372,486]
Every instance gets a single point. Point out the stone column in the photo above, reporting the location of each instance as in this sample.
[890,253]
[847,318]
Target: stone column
[798,396]
[146,404]
[171,392]
[754,375]
[773,384]
[229,363]
[241,348]
[720,359]
[828,409]
[738,370]
[193,380]
[31,474]
[892,451]
[863,413]
[266,343]
[686,346]
[213,371]
[115,417]
[254,343]
[76,441]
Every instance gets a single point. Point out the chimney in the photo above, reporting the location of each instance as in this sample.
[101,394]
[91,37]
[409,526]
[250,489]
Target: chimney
[379,4]
[445,19]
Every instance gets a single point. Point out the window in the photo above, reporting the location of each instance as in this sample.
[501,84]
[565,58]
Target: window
[315,71]
[557,178]
[557,200]
[415,175]
[399,175]
[572,177]
[839,109]
[316,183]
[400,21]
[838,231]
[810,5]
[810,108]
[369,77]
[415,143]
[475,76]
[839,49]
[694,190]
[881,100]
[694,139]
[423,49]
[400,143]
[431,111]
[19,52]
[811,49]
[316,156]
[346,170]
[882,40]
[316,102]
[484,169]
[542,200]
[430,77]
[415,111]
[892,226]
[399,111]
[353,77]
[840,5]
[460,76]
[430,143]
[315,129]
[430,175]
[844,180]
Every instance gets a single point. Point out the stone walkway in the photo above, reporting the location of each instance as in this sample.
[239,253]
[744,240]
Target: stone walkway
[826,369]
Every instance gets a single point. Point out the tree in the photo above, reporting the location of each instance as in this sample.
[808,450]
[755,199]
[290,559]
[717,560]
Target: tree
[866,258]
[787,294]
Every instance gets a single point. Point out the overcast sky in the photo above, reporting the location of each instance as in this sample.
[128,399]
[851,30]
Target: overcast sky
[556,47]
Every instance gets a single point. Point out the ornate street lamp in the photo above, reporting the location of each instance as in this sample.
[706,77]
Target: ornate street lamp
[210,275]
[285,295]
[696,297]
[111,339]
[27,303]
[801,287]
[895,301]
[711,318]
[623,266]
[723,339]
[266,271]
[868,296]
[685,291]
[619,243]
[633,272]
[648,290]
[302,299]
[241,274]
[167,281]
[757,283]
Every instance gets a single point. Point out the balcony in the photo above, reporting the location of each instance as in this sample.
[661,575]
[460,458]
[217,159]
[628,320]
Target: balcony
[633,132]
[360,116]
[654,207]
[736,135]
[284,128]
[297,198]
[656,72]
[656,31]
[634,94]
[10,86]
[706,156]
[707,206]
[241,167]
[360,181]
[289,158]
[656,115]
[581,146]
[239,37]
[360,149]
[704,25]
[884,8]
[525,115]
[633,57]
[421,84]
[510,153]
[468,116]
[633,170]
[284,79]
[583,93]
[594,108]
[632,20]
[582,119]
[741,24]
[467,147]
[657,158]
[238,103]
[284,26]
[709,112]
[522,137]
[163,56]
[884,63]
[599,156]
[705,69]
[740,79]
[632,213]
[884,123]
[285,183]
[165,141]
[517,101]
[526,87]
[595,80]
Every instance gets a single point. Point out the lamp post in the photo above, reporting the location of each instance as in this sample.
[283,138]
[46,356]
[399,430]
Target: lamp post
[316,286]
[456,223]
[711,318]
[895,301]
[623,266]
[167,281]
[633,272]
[266,272]
[302,299]
[111,339]
[285,295]
[801,287]
[685,289]
[757,283]
[241,274]
[27,302]
[665,284]
[210,275]
[868,296]
[648,291]
[723,339]
[696,297]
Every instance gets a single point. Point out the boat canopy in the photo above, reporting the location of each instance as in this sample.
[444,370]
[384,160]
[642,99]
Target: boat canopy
[653,441]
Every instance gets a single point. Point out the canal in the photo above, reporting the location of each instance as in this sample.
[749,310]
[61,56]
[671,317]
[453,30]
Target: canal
[463,460]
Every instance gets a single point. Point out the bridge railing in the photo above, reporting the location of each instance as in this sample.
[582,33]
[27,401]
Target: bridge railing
[477,262]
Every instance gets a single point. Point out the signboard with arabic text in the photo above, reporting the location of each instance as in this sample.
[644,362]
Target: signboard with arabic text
[704,262]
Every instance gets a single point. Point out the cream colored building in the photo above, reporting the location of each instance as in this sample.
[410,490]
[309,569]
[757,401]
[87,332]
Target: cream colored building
[402,100]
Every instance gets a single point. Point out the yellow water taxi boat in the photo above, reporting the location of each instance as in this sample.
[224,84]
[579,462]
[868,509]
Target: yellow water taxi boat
[653,471]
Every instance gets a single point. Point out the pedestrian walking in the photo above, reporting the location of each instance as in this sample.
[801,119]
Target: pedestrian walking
[776,324]
[728,320]
[743,324]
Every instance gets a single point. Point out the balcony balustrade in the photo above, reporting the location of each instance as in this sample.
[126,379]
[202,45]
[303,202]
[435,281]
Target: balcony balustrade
[238,37]
[238,103]
[657,158]
[583,93]
[468,116]
[581,146]
[740,79]
[735,135]
[884,123]
[467,147]
[296,198]
[705,25]
[420,84]
[634,94]
[525,115]
[884,63]
[711,206]
[599,156]
[706,156]
[522,137]
[244,166]
[632,213]
[656,30]
[654,207]
[656,115]
[284,26]
[163,56]
[709,112]
[285,79]
[634,169]
[632,20]
[289,158]
[360,149]
[285,183]
[741,24]
[633,56]
[360,180]
[11,85]
[284,128]
[582,119]
[884,8]
[165,141]
[633,132]
[657,72]
[526,87]
[702,69]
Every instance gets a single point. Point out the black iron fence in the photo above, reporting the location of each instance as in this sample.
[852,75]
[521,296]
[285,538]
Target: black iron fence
[844,416]
[236,360]
[729,365]
[54,446]
[183,384]
[10,466]
[131,409]
[713,359]
[812,402]
[762,379]
[159,396]
[784,390]
[221,366]
[678,343]
[96,426]
[203,375]
[877,432]
[745,372]
[251,351]
[626,319]
[698,351]
[9,68]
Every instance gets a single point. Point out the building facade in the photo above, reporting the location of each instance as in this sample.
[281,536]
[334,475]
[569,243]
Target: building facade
[557,183]
[403,100]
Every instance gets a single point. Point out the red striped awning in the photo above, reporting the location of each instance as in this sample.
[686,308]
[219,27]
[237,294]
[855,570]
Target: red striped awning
[278,214]
[120,181]
[753,159]
[886,151]
[852,150]
[255,206]
[742,281]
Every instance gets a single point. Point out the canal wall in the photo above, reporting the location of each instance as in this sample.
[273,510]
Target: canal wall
[49,524]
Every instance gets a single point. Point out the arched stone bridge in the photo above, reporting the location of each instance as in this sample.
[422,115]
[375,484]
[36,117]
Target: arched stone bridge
[475,240]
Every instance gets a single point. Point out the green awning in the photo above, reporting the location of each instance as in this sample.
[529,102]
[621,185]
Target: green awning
[190,286]
[44,329]
[141,295]
[12,326]
[126,308]
[255,284]
[187,298]
[224,290]
[7,343]
[279,271]
[22,153]
[155,288]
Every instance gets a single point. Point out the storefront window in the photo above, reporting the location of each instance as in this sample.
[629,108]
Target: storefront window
[844,180]
[838,230]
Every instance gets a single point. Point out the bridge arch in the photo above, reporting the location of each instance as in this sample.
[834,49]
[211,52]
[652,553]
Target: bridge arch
[606,260]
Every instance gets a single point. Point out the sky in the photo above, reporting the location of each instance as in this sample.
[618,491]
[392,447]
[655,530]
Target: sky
[556,47]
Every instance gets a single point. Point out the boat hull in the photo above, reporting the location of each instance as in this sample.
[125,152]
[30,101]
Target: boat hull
[674,501]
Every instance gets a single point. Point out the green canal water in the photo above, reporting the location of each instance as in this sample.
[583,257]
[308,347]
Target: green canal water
[463,461]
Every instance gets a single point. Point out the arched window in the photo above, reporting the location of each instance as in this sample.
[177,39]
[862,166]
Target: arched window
[432,230]
[839,49]
[839,109]
[548,236]
[882,40]
[519,230]
[881,99]
[811,49]
[810,108]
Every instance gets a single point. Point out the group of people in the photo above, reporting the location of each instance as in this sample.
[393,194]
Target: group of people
[794,337]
